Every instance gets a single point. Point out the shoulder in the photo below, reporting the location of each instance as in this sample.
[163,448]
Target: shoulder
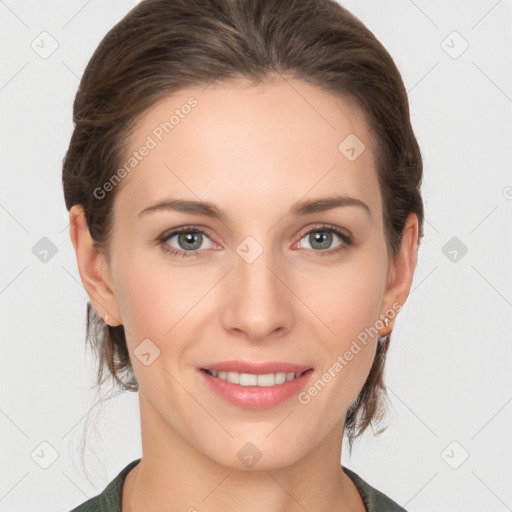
[109,500]
[374,500]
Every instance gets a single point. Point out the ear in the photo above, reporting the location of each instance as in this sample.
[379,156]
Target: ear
[401,271]
[93,267]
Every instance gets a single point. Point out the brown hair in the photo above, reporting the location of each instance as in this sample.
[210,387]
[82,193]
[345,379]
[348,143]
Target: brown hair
[162,46]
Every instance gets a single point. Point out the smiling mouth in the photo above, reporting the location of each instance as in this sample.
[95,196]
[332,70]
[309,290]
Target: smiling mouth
[252,379]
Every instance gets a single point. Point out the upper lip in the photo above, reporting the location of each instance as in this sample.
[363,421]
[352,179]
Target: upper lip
[257,368]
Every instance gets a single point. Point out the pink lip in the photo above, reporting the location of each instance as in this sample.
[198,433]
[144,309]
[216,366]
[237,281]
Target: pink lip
[256,368]
[257,397]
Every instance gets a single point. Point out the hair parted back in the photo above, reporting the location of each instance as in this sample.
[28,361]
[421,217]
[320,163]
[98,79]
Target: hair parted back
[162,46]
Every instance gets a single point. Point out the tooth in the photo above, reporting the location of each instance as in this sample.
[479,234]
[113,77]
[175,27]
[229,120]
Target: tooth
[266,380]
[247,379]
[280,377]
[233,377]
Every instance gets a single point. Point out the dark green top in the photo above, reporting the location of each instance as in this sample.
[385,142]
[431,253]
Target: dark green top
[110,499]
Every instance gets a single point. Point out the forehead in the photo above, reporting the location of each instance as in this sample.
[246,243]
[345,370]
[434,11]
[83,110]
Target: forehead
[249,147]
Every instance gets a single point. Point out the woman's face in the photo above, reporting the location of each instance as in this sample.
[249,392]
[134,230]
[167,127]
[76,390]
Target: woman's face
[268,280]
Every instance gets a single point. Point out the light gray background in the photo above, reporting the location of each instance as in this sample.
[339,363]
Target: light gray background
[448,370]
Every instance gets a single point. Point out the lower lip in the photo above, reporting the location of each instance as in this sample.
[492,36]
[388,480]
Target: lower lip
[257,397]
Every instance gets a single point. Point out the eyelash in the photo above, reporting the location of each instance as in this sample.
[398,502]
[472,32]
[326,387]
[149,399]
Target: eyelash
[346,239]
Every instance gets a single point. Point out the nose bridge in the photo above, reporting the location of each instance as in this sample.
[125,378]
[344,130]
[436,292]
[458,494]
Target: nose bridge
[259,300]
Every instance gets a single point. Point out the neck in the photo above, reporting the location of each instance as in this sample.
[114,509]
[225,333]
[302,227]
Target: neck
[173,475]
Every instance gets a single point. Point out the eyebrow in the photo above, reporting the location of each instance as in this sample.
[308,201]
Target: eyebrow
[210,210]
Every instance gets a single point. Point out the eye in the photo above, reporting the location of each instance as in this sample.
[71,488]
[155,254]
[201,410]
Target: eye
[190,241]
[321,237]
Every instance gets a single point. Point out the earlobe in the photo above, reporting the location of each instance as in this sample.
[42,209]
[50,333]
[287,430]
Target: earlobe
[93,267]
[402,269]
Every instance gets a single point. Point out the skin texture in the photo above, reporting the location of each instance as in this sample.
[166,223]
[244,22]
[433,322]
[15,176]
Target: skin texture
[254,152]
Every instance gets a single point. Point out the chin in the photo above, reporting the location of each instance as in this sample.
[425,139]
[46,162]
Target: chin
[255,453]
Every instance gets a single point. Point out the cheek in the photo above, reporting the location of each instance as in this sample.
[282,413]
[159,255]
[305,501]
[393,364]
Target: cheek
[349,306]
[349,302]
[155,298]
[138,300]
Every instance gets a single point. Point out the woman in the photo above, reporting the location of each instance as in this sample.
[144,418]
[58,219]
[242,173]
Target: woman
[243,185]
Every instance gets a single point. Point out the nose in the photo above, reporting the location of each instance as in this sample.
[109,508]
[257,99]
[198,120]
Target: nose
[260,303]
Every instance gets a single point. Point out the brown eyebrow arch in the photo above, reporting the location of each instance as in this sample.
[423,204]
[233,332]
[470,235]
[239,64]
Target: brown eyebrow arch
[210,210]
[327,203]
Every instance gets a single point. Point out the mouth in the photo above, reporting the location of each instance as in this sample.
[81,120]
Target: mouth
[252,373]
[256,385]
[254,379]
[250,390]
